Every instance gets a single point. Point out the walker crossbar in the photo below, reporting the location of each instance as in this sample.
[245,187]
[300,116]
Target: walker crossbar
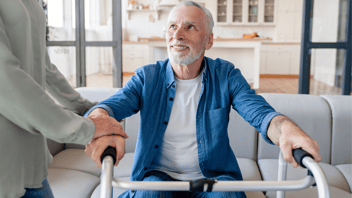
[218,186]
[208,185]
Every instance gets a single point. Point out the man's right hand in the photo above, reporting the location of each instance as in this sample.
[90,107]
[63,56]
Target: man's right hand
[95,149]
[106,125]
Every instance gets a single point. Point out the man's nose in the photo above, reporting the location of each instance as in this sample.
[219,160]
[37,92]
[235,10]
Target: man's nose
[179,34]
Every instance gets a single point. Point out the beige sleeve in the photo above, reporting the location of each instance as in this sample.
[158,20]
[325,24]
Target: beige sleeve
[26,104]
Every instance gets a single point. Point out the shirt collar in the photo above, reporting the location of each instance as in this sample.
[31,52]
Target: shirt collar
[170,77]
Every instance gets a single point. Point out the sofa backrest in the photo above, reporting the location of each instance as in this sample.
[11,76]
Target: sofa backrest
[243,137]
[341,107]
[311,113]
[132,128]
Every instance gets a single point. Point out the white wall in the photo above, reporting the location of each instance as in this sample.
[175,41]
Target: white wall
[288,21]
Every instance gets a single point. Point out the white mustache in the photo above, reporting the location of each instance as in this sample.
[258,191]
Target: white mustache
[178,43]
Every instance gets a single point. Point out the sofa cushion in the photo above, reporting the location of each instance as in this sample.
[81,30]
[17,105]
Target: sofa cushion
[310,112]
[69,183]
[75,159]
[346,170]
[249,169]
[313,193]
[269,170]
[341,108]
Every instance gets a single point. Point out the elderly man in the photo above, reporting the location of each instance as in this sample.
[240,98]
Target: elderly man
[184,104]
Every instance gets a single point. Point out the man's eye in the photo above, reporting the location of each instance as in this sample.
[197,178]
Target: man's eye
[190,27]
[172,26]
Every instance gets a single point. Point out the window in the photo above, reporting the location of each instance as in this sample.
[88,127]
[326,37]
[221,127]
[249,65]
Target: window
[84,40]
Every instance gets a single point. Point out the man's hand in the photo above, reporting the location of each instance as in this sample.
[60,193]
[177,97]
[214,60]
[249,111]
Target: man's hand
[106,125]
[95,149]
[285,133]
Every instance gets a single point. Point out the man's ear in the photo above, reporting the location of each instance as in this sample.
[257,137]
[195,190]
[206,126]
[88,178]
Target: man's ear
[210,41]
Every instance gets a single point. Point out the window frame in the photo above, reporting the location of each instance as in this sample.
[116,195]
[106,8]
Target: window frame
[80,43]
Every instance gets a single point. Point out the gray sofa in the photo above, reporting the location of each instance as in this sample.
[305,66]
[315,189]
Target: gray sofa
[327,119]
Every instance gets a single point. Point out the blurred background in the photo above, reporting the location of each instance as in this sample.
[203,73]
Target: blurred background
[270,61]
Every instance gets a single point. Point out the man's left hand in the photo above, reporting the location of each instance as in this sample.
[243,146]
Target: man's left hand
[285,133]
[293,137]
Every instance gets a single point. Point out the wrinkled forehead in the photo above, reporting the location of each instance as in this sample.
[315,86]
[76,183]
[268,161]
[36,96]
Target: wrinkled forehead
[187,14]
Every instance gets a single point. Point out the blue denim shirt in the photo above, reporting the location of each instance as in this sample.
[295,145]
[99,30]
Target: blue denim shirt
[151,91]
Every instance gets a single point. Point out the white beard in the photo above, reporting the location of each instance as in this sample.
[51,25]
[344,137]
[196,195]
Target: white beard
[177,58]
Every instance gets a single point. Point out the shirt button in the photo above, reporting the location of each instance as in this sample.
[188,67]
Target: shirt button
[145,168]
[173,86]
[156,146]
[165,123]
[171,99]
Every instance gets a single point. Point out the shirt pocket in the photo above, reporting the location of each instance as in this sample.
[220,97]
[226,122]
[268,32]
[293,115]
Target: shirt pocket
[218,120]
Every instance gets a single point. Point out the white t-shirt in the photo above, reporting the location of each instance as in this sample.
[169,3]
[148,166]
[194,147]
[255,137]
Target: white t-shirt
[179,151]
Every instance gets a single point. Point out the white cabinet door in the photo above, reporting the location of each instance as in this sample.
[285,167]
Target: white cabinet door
[278,62]
[243,12]
[131,64]
[295,60]
[282,59]
[133,57]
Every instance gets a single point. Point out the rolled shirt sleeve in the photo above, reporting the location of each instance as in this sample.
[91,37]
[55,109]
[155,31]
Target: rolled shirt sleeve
[253,108]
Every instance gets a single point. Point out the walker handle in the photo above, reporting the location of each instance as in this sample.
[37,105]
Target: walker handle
[109,151]
[299,154]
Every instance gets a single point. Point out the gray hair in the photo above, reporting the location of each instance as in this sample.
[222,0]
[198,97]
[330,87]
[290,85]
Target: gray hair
[210,20]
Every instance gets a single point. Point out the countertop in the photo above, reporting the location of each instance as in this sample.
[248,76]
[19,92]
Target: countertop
[265,41]
[146,40]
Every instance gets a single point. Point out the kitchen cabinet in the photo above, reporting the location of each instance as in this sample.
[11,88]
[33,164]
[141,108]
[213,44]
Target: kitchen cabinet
[133,57]
[280,58]
[243,12]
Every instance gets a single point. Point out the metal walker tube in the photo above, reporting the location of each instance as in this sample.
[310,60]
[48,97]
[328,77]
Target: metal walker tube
[107,181]
[106,177]
[320,178]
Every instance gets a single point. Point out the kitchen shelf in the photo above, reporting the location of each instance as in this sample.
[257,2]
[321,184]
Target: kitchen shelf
[155,11]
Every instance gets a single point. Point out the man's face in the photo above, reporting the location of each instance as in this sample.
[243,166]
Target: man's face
[187,36]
